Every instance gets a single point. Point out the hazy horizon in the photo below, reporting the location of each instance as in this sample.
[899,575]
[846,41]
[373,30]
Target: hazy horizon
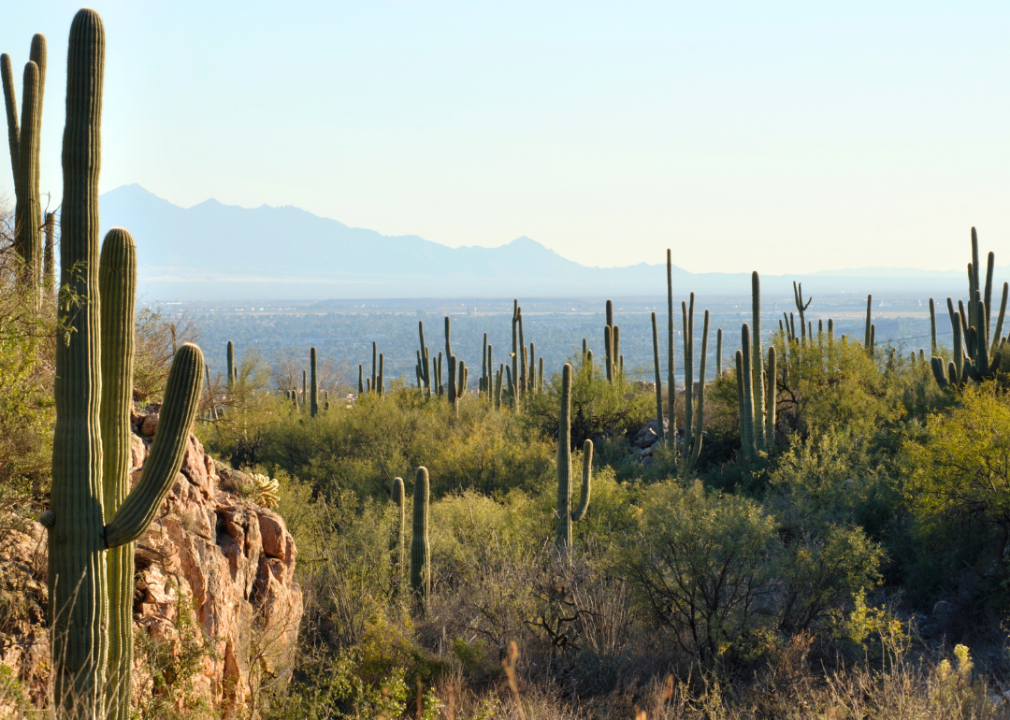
[783,138]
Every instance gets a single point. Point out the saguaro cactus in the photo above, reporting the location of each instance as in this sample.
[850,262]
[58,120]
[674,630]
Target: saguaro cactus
[25,144]
[49,256]
[801,307]
[231,364]
[694,400]
[565,516]
[757,363]
[400,500]
[660,429]
[869,333]
[671,387]
[83,628]
[420,551]
[314,387]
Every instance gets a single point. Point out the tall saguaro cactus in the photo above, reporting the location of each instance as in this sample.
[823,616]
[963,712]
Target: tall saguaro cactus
[420,550]
[25,144]
[400,500]
[671,387]
[757,364]
[90,604]
[565,516]
[231,364]
[660,429]
[314,387]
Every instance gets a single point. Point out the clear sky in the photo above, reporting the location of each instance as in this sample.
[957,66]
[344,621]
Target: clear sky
[782,137]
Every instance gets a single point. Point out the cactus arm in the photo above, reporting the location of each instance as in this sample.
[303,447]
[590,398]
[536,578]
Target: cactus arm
[587,481]
[987,297]
[182,396]
[420,550]
[997,335]
[660,430]
[28,225]
[938,372]
[11,105]
[117,280]
[700,423]
[563,529]
[523,357]
[973,277]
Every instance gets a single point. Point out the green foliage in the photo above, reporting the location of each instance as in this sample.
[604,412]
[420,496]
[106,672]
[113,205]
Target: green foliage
[362,448]
[701,562]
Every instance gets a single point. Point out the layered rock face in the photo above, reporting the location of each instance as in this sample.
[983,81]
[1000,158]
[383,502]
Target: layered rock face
[214,583]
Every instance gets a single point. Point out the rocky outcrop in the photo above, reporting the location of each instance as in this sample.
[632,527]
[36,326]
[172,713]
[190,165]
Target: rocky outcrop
[214,581]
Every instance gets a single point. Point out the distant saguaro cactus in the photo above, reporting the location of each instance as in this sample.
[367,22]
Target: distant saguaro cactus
[314,388]
[565,516]
[420,550]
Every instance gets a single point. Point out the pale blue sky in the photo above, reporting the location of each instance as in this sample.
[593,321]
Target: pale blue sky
[770,136]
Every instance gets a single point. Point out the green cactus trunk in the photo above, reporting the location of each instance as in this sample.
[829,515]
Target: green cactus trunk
[49,257]
[420,550]
[400,500]
[361,377]
[24,141]
[498,386]
[745,440]
[757,364]
[81,618]
[117,279]
[718,353]
[314,388]
[608,342]
[375,365]
[867,340]
[78,589]
[565,516]
[514,377]
[932,328]
[699,425]
[540,376]
[687,318]
[381,387]
[660,428]
[771,398]
[671,387]
[231,364]
[523,359]
[747,431]
[997,335]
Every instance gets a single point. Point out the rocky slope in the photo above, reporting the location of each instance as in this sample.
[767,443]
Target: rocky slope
[215,589]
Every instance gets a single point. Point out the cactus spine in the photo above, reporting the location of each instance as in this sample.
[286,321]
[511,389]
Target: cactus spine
[660,429]
[565,516]
[420,551]
[314,388]
[79,589]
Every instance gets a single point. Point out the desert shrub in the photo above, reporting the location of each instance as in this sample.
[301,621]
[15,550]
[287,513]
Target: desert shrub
[363,447]
[701,563]
[599,408]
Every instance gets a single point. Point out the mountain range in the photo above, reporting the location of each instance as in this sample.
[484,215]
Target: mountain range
[213,251]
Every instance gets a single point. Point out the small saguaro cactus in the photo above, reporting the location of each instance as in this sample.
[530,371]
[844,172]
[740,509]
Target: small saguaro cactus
[314,388]
[718,353]
[694,400]
[660,429]
[932,328]
[231,364]
[757,364]
[400,500]
[361,384]
[671,387]
[868,338]
[381,387]
[420,550]
[801,307]
[565,515]
[93,510]
[25,144]
[375,366]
